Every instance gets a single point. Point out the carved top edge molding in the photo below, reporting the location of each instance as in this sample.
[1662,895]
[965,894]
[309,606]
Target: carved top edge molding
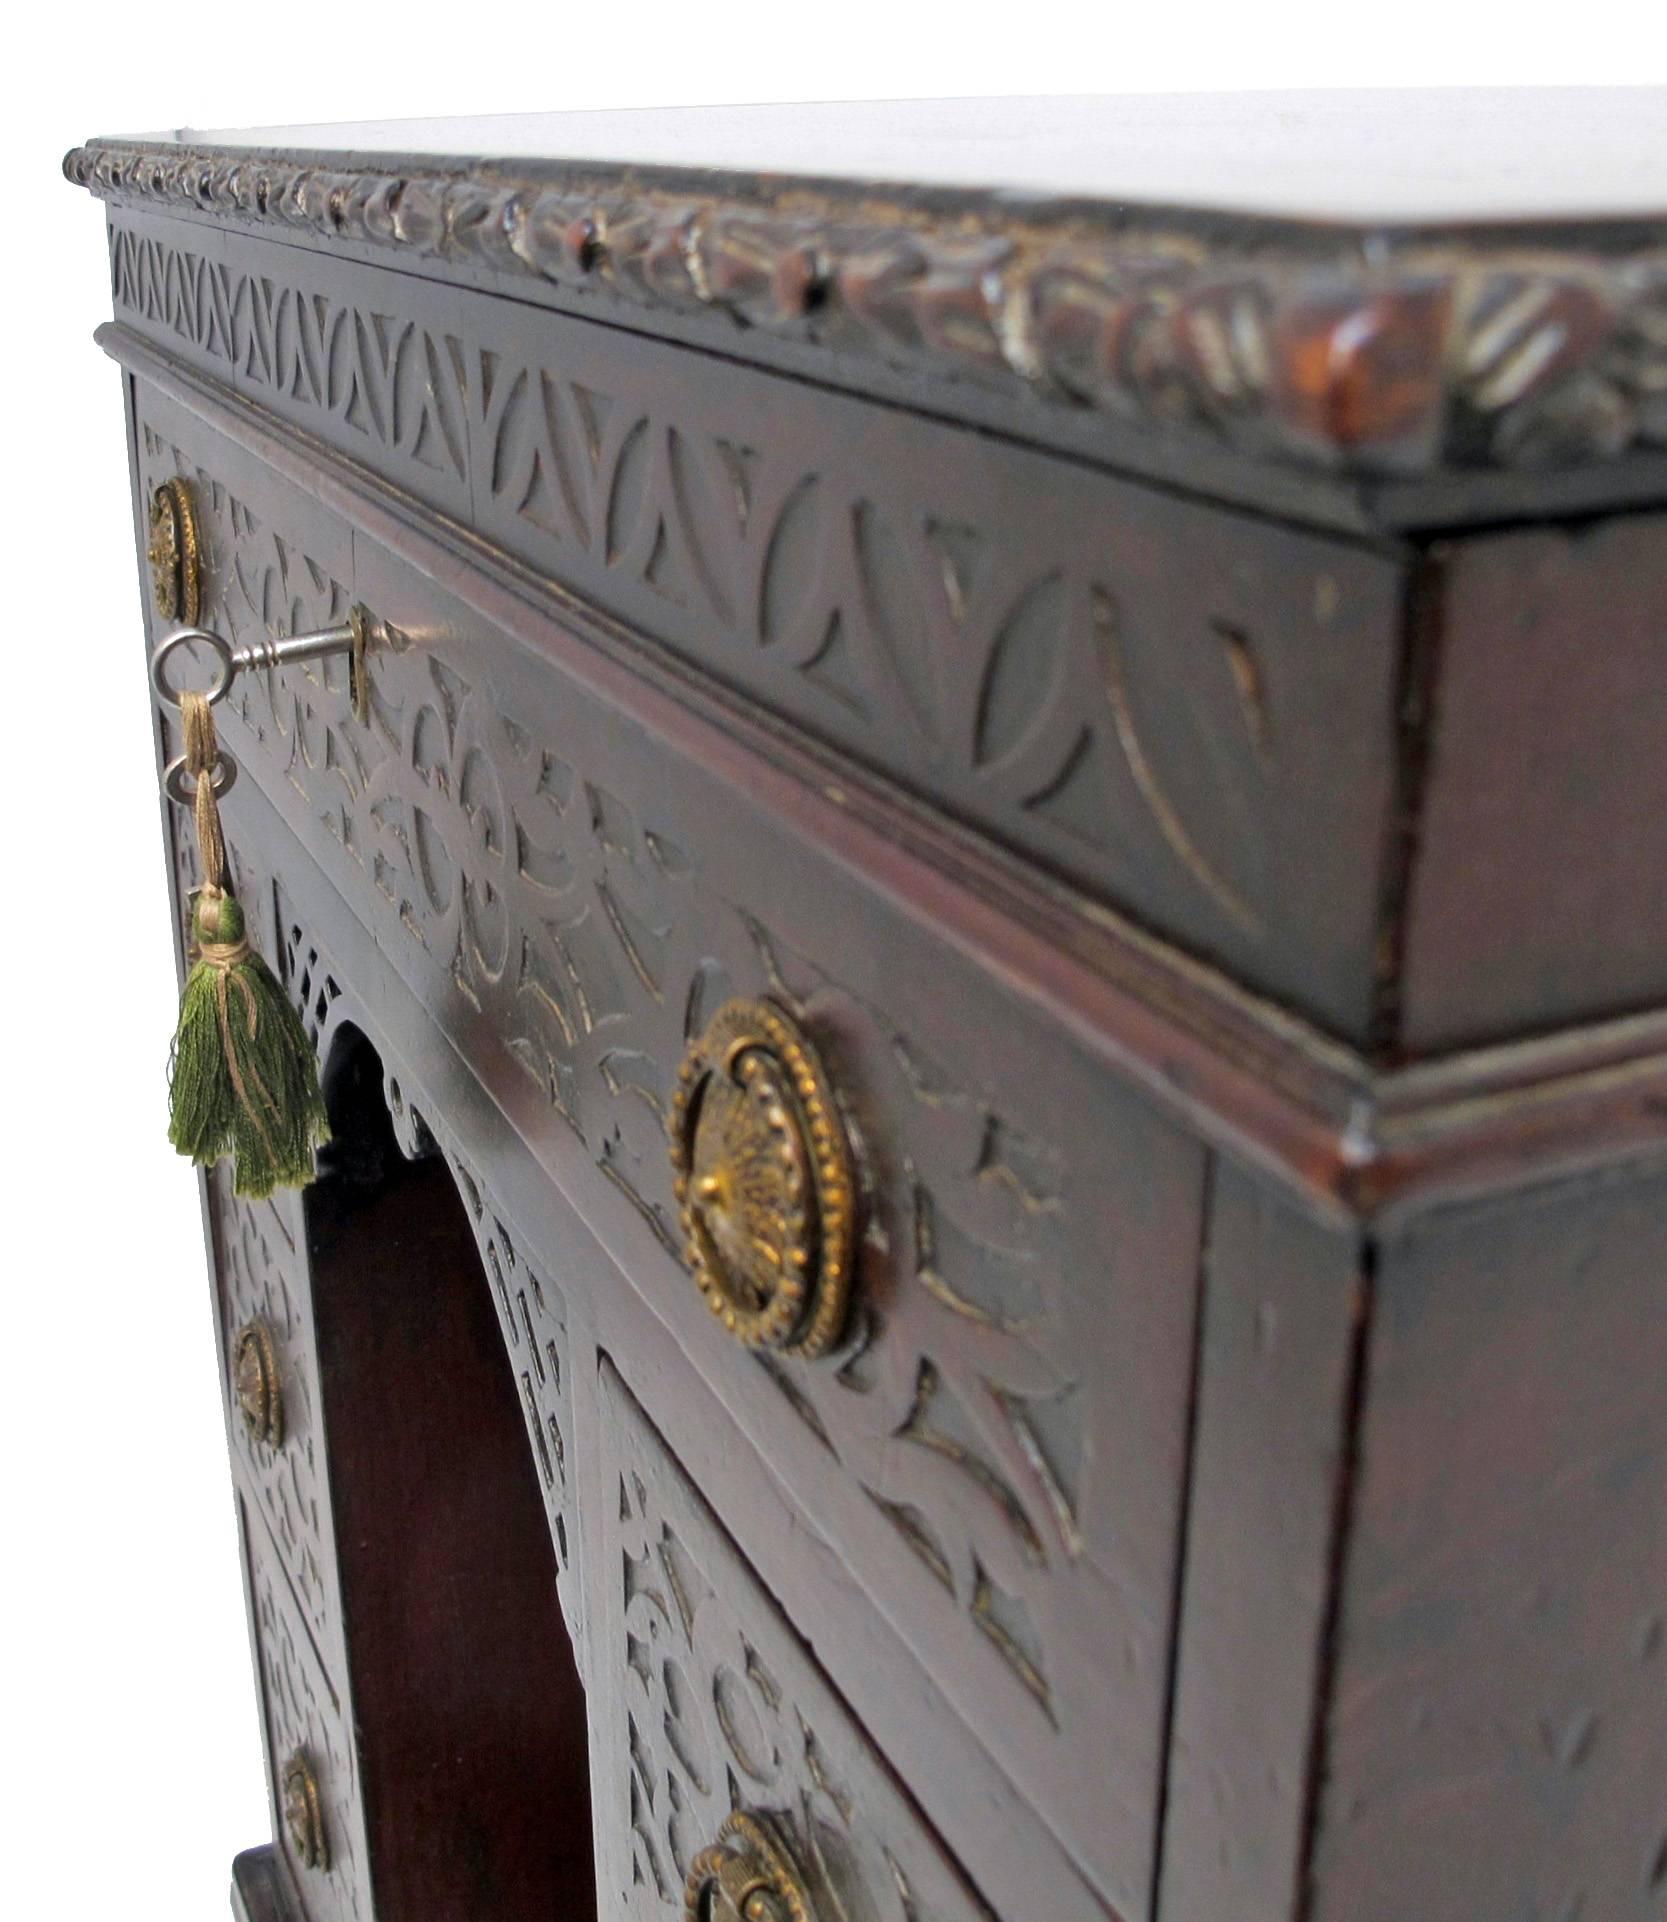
[1363,353]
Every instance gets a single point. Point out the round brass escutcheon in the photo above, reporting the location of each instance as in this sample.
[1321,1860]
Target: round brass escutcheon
[175,554]
[765,1181]
[747,1875]
[257,1384]
[304,1813]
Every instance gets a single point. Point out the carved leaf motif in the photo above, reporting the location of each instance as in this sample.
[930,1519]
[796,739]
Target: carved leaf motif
[894,576]
[629,501]
[1208,749]
[710,504]
[1023,674]
[426,412]
[539,459]
[794,608]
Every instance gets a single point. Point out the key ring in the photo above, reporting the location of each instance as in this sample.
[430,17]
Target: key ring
[180,788]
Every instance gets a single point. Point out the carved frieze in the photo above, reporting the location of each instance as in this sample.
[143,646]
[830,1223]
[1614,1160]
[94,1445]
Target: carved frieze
[1046,668]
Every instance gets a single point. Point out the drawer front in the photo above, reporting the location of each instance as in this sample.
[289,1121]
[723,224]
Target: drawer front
[997,1444]
[272,1391]
[311,1758]
[712,1705]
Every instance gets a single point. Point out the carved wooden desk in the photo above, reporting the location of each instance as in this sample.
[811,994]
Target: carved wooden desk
[992,976]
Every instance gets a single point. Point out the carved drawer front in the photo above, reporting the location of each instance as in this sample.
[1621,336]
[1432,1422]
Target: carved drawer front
[271,1386]
[991,1425]
[311,1759]
[727,1753]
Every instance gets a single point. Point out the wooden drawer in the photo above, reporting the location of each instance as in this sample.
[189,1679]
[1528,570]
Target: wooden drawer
[311,1756]
[997,1445]
[271,1381]
[711,1705]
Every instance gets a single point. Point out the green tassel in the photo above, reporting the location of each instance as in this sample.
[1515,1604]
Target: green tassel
[242,1079]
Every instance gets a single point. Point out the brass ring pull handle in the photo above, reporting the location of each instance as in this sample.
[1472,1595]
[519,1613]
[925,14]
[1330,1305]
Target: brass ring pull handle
[765,1181]
[257,1384]
[175,553]
[304,1813]
[747,1875]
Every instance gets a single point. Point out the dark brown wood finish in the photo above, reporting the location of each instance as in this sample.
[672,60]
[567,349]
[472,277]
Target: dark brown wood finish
[527,1228]
[1280,1319]
[1540,893]
[1235,1069]
[257,1888]
[1230,914]
[1425,367]
[309,1726]
[989,1534]
[1496,1743]
[264,1281]
[716,1706]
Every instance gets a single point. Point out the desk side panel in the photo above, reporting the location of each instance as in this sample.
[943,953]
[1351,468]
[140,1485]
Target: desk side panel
[1497,1744]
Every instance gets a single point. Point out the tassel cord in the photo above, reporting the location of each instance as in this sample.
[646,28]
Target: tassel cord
[252,1089]
[202,759]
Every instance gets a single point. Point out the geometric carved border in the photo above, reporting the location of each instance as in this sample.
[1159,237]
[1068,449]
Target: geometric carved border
[1026,661]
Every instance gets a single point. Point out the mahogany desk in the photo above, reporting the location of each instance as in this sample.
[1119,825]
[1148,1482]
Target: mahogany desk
[1022,746]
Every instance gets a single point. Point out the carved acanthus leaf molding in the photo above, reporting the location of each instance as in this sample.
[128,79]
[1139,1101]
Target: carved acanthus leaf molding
[1339,348]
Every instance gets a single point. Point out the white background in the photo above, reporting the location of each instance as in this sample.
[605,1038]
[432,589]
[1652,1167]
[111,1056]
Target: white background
[129,1748]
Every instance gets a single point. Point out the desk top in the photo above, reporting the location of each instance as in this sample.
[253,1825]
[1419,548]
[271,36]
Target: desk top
[1401,156]
[1382,309]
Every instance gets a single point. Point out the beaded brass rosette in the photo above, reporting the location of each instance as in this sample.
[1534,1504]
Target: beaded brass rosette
[257,1385]
[749,1874]
[765,1181]
[174,550]
[304,1814]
